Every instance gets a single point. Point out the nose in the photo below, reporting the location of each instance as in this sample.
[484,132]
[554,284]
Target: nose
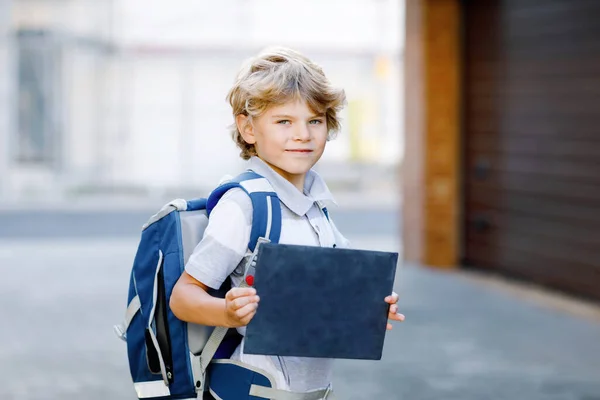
[302,133]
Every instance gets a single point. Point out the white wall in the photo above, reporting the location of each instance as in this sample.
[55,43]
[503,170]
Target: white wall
[175,119]
[182,57]
[154,114]
[354,25]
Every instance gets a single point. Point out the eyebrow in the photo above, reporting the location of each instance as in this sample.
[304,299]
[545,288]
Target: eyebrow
[290,117]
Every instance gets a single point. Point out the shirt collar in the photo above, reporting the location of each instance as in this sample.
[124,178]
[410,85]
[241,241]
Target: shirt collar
[315,188]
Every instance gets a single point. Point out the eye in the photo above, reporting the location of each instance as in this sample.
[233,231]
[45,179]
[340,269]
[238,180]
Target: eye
[284,122]
[316,121]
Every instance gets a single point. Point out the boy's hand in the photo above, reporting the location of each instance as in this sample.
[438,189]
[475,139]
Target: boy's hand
[393,313]
[240,306]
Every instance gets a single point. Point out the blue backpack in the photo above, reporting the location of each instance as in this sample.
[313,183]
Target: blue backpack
[169,358]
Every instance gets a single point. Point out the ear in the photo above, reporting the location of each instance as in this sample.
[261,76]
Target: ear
[245,128]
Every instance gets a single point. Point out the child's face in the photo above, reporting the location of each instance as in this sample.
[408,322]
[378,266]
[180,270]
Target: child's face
[289,137]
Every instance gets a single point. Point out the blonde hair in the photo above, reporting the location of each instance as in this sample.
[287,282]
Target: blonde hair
[276,76]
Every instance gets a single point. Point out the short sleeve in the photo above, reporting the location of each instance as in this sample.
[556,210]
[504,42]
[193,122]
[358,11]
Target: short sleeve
[225,240]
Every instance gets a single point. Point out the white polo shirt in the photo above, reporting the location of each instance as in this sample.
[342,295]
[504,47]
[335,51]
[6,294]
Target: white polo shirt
[224,246]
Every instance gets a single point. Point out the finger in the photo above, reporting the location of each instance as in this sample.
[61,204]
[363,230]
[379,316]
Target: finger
[239,292]
[393,298]
[393,309]
[246,320]
[396,317]
[247,309]
[242,301]
[389,327]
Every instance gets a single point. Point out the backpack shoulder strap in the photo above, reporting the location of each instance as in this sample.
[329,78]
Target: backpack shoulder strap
[266,210]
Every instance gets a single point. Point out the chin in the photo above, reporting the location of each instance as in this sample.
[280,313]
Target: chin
[301,166]
[296,167]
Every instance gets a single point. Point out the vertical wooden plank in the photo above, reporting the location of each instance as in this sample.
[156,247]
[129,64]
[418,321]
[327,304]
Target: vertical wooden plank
[431,165]
[442,96]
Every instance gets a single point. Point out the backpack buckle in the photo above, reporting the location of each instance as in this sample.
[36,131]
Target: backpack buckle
[250,271]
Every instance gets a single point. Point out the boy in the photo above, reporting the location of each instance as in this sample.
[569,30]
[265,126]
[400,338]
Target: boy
[285,110]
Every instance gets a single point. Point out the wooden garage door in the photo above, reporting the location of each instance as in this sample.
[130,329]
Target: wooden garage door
[532,140]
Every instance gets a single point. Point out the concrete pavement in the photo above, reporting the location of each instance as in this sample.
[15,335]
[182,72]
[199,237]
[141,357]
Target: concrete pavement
[356,213]
[28,224]
[462,339]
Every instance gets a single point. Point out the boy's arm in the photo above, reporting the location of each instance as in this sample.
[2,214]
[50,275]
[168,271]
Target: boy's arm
[223,246]
[190,302]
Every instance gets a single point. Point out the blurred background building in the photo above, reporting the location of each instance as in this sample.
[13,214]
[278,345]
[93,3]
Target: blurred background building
[116,96]
[109,108]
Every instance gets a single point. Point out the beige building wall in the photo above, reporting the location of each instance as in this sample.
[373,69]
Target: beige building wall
[431,175]
[150,112]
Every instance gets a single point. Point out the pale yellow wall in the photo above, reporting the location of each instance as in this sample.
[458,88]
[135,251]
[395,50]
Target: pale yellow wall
[431,167]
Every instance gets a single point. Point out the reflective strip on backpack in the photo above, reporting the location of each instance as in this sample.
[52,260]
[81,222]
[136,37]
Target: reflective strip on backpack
[146,390]
[269,217]
[132,309]
[278,394]
[163,368]
[155,290]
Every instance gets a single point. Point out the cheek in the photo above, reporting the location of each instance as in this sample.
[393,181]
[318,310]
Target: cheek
[272,139]
[320,136]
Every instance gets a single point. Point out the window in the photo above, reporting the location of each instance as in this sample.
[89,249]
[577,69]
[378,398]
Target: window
[38,127]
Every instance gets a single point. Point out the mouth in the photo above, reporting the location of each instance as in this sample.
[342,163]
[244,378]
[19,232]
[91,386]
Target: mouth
[300,151]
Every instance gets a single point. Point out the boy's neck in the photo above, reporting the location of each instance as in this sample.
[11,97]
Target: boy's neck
[295,179]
